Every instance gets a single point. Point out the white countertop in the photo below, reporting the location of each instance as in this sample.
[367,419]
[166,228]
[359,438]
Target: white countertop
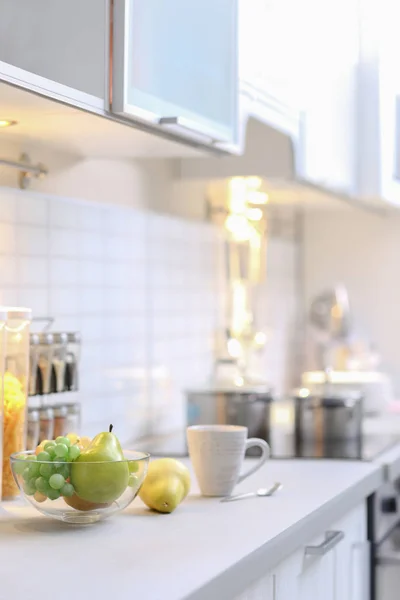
[205,550]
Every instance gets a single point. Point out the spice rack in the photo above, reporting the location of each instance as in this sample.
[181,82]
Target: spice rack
[53,383]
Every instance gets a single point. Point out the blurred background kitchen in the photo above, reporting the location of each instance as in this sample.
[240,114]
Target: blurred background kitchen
[265,270]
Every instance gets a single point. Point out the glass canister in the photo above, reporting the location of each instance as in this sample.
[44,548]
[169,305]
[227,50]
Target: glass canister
[59,360]
[33,429]
[73,421]
[46,372]
[15,391]
[60,420]
[35,386]
[3,319]
[72,362]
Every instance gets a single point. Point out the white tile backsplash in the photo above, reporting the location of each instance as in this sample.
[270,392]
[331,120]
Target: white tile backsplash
[31,240]
[65,243]
[8,270]
[32,271]
[7,238]
[64,272]
[8,206]
[32,209]
[146,291]
[64,213]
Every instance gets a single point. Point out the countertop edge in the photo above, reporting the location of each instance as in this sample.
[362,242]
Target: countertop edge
[234,580]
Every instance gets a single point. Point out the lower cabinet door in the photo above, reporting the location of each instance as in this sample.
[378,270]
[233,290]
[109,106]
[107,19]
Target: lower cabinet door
[263,589]
[352,558]
[317,579]
[332,566]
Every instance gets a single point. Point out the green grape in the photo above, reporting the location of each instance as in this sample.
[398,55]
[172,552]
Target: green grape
[64,470]
[32,482]
[43,457]
[49,445]
[31,457]
[133,481]
[52,452]
[67,490]
[133,466]
[19,467]
[34,469]
[53,494]
[42,485]
[73,453]
[28,489]
[26,475]
[47,470]
[56,481]
[61,450]
[63,440]
[58,460]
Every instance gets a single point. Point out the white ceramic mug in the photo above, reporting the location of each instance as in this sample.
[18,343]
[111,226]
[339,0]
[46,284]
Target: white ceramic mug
[217,454]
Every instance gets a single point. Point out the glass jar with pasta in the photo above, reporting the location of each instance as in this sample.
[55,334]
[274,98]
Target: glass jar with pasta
[15,388]
[3,318]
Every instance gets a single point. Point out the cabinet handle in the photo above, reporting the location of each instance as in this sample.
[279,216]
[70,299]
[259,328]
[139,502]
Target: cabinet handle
[332,538]
[190,127]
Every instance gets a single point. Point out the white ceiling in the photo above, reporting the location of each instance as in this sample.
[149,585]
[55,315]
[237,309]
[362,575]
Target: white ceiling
[76,132]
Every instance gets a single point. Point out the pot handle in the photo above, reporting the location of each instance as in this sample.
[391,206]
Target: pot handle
[265,454]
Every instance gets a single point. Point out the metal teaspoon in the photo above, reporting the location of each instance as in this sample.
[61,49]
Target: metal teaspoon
[261,492]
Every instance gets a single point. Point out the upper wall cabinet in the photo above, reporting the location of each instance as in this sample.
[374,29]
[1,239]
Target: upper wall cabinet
[270,44]
[56,48]
[329,51]
[270,61]
[175,65]
[379,104]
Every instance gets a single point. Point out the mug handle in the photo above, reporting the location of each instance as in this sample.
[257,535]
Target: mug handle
[265,453]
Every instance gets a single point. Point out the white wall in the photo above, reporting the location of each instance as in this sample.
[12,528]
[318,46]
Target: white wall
[362,251]
[146,290]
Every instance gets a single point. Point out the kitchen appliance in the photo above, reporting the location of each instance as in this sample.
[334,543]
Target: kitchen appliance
[375,386]
[327,417]
[384,533]
[331,323]
[234,405]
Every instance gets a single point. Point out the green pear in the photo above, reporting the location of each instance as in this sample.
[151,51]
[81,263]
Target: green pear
[100,473]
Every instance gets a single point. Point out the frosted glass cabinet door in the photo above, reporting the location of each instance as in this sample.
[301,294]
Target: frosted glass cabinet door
[175,63]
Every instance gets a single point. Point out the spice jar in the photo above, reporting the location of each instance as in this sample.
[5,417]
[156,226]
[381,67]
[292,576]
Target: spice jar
[33,429]
[72,362]
[46,429]
[73,424]
[59,359]
[60,421]
[35,384]
[15,388]
[45,363]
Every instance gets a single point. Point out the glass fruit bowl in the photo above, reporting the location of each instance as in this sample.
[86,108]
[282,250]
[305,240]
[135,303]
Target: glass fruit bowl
[104,487]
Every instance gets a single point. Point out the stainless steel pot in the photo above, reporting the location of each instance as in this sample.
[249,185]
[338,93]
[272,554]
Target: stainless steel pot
[247,406]
[328,417]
